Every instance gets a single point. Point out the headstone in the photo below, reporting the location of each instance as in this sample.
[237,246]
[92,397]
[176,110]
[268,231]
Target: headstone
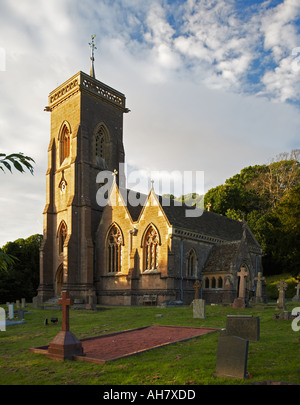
[20,313]
[232,356]
[199,308]
[244,326]
[65,345]
[2,320]
[282,286]
[35,302]
[259,279]
[23,302]
[11,311]
[17,304]
[296,297]
[90,304]
[240,302]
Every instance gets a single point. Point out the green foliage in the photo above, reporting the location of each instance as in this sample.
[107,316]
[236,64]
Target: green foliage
[16,160]
[21,278]
[267,197]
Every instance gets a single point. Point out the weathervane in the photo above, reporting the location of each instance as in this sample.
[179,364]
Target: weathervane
[93,47]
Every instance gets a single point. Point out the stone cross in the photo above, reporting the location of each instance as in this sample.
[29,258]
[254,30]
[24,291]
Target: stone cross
[208,206]
[65,301]
[197,287]
[115,173]
[259,280]
[282,286]
[242,274]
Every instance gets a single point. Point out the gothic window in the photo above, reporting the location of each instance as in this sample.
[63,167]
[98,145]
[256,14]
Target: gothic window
[220,282]
[101,138]
[64,144]
[213,283]
[191,264]
[62,234]
[114,247]
[151,243]
[206,282]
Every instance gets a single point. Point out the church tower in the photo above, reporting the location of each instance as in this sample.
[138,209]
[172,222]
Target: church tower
[86,137]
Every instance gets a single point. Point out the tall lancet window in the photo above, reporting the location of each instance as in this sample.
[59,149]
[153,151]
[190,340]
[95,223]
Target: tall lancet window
[64,144]
[151,243]
[114,247]
[100,148]
[192,263]
[62,234]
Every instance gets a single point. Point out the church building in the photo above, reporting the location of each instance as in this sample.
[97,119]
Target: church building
[123,253]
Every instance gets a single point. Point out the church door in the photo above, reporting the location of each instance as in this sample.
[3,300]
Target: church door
[59,280]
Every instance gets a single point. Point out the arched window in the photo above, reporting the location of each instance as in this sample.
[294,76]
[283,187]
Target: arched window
[101,146]
[62,234]
[114,246]
[191,264]
[206,283]
[213,283]
[151,243]
[220,282]
[64,144]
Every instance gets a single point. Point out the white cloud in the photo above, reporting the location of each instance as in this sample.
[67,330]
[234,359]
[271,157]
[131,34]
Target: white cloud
[184,82]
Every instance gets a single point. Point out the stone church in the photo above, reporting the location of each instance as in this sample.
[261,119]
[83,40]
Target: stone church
[122,253]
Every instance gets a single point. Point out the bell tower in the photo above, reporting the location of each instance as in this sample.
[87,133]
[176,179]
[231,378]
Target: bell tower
[86,137]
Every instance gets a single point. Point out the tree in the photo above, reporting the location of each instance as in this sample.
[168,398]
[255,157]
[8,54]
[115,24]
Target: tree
[18,160]
[21,279]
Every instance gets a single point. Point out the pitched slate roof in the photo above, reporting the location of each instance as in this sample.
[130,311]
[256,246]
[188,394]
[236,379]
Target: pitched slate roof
[221,257]
[208,223]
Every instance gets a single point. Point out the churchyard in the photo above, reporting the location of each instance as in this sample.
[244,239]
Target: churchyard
[274,357]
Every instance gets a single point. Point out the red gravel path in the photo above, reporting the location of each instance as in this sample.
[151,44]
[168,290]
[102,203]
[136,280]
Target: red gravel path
[117,345]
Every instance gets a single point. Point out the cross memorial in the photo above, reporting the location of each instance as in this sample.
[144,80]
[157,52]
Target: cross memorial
[282,286]
[65,345]
[198,304]
[197,287]
[259,279]
[240,302]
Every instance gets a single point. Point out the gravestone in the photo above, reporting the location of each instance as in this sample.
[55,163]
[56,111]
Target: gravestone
[240,302]
[20,313]
[233,345]
[2,320]
[296,297]
[197,288]
[11,313]
[199,309]
[17,304]
[244,326]
[65,345]
[232,356]
[282,286]
[23,302]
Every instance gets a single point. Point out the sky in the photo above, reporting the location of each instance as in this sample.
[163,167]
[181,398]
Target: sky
[213,86]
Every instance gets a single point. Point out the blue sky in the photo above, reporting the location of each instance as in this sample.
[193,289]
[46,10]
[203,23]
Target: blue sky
[212,85]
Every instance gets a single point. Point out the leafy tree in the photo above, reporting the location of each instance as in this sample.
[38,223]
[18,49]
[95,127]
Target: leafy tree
[21,278]
[18,160]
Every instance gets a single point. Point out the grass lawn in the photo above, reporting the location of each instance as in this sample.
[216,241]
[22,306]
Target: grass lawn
[275,357]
